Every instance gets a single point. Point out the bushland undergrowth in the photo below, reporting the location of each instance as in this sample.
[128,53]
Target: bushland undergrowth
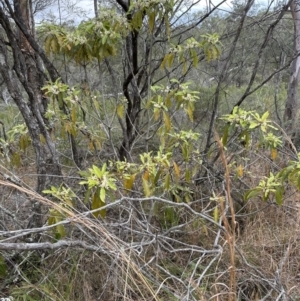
[146,190]
[173,224]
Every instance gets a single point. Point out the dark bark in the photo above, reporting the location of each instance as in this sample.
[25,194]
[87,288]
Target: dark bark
[96,8]
[132,95]
[140,69]
[139,77]
[47,163]
[16,15]
[26,70]
[30,63]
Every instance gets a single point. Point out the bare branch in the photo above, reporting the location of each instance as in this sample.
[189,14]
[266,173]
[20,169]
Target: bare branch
[49,245]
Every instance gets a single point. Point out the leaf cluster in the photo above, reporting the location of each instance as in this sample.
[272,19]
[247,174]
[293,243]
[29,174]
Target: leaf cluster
[189,51]
[246,122]
[99,182]
[92,39]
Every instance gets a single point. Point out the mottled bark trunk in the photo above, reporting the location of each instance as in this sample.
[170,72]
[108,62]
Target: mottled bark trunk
[46,157]
[27,70]
[292,98]
[47,163]
[35,76]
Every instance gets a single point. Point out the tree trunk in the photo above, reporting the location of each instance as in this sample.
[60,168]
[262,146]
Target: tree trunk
[47,159]
[132,95]
[292,98]
[28,72]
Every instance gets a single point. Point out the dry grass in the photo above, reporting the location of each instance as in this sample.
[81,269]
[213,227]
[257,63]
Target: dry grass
[130,256]
[271,242]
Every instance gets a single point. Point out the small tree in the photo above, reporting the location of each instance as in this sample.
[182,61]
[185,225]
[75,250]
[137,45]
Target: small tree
[27,70]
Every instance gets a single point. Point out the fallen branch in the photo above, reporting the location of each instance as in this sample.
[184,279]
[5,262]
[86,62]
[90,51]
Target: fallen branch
[49,245]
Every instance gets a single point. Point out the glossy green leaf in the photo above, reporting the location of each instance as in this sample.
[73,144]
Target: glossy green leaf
[216,214]
[265,116]
[284,174]
[102,194]
[252,194]
[279,195]
[225,134]
[98,203]
[167,181]
[97,171]
[146,187]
